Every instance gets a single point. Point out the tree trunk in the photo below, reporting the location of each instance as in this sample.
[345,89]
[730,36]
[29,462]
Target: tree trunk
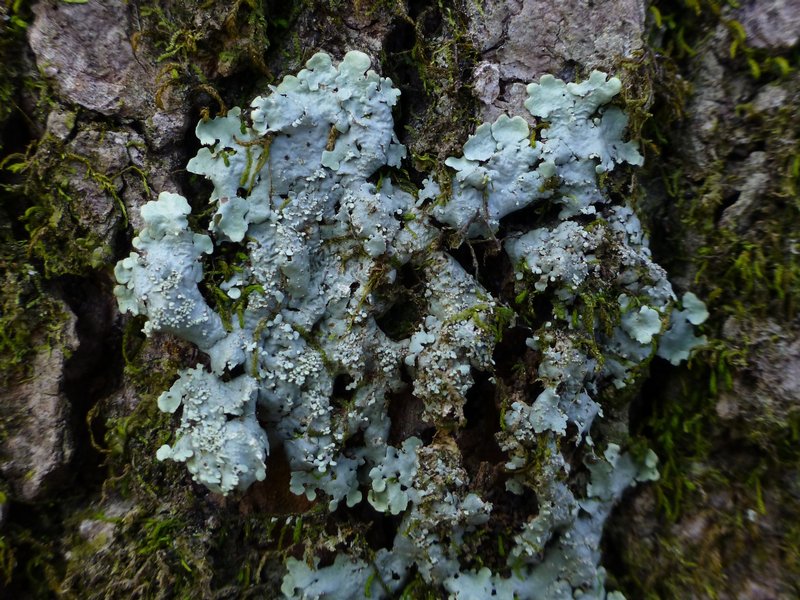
[98,106]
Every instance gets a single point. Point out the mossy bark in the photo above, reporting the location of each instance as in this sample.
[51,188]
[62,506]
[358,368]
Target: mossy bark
[97,102]
[722,521]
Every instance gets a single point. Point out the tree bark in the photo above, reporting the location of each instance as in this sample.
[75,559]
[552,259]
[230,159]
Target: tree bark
[98,103]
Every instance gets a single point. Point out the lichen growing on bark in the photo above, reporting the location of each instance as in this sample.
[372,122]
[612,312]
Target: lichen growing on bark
[323,250]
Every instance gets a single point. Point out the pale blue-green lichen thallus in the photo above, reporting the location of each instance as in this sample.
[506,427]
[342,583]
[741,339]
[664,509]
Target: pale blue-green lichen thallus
[305,364]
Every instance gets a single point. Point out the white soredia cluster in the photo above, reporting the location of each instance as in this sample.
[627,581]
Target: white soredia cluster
[300,353]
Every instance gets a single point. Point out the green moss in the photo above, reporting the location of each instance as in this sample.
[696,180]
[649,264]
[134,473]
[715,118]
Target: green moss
[14,18]
[753,273]
[31,320]
[59,226]
[131,438]
[744,264]
[432,64]
[681,27]
[199,41]
[719,479]
[745,271]
[32,566]
[151,554]
[417,589]
[707,549]
[713,492]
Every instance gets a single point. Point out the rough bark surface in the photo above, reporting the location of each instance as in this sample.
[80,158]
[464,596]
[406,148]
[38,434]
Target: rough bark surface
[97,105]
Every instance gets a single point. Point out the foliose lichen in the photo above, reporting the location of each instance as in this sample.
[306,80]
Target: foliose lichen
[306,365]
